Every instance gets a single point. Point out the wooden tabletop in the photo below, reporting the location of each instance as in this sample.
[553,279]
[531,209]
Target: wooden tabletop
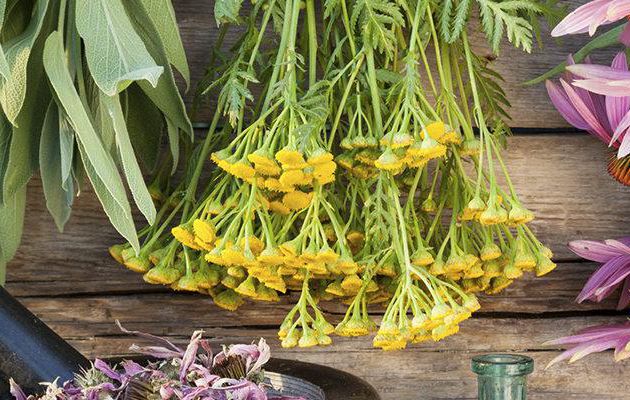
[72,284]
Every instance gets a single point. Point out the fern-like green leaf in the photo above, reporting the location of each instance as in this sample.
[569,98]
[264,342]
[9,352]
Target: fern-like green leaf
[227,11]
[378,20]
[509,17]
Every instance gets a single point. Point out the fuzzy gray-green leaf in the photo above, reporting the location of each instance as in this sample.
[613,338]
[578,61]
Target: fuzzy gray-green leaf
[163,16]
[115,53]
[130,163]
[119,216]
[104,167]
[58,200]
[18,52]
[165,96]
[12,223]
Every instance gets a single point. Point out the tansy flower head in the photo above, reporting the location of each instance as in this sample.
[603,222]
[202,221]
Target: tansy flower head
[388,161]
[297,200]
[498,284]
[186,283]
[490,251]
[519,215]
[228,299]
[185,235]
[443,331]
[544,265]
[271,256]
[422,258]
[291,157]
[492,269]
[204,230]
[396,140]
[351,284]
[493,215]
[438,267]
[242,169]
[430,148]
[163,274]
[470,147]
[279,208]
[116,252]
[319,156]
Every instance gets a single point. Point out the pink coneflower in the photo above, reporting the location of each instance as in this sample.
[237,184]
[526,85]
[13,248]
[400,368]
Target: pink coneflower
[588,104]
[614,272]
[590,16]
[594,340]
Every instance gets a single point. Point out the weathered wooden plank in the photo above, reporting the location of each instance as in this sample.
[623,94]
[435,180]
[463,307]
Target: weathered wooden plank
[531,106]
[425,371]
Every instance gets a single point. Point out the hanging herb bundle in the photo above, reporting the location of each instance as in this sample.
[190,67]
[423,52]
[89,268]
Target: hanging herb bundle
[356,174]
[85,85]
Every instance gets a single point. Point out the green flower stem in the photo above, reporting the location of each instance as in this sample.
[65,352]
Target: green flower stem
[312,42]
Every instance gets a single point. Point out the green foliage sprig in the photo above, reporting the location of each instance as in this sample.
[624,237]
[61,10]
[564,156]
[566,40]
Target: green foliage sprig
[87,90]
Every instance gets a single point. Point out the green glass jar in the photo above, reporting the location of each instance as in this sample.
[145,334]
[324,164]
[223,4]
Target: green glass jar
[502,376]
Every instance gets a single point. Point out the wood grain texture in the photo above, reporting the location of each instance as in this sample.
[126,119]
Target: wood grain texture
[531,107]
[70,281]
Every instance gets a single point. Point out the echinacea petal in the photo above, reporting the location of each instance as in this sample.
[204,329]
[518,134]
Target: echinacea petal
[604,87]
[624,297]
[618,9]
[624,147]
[615,278]
[591,119]
[594,250]
[579,20]
[564,106]
[597,19]
[617,107]
[594,71]
[599,277]
[621,128]
[562,356]
[589,348]
[621,246]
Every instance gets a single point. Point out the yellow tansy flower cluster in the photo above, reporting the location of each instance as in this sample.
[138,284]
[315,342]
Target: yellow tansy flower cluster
[363,179]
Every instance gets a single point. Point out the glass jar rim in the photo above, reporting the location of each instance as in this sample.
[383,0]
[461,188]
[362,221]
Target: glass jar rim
[502,365]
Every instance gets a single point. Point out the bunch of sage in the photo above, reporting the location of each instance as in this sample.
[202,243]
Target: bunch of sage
[87,89]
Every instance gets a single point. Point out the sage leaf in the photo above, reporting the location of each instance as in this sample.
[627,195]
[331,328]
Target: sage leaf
[58,200]
[23,159]
[6,132]
[163,16]
[18,51]
[119,215]
[66,149]
[115,53]
[101,161]
[145,124]
[135,180]
[12,223]
[173,143]
[5,70]
[165,96]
